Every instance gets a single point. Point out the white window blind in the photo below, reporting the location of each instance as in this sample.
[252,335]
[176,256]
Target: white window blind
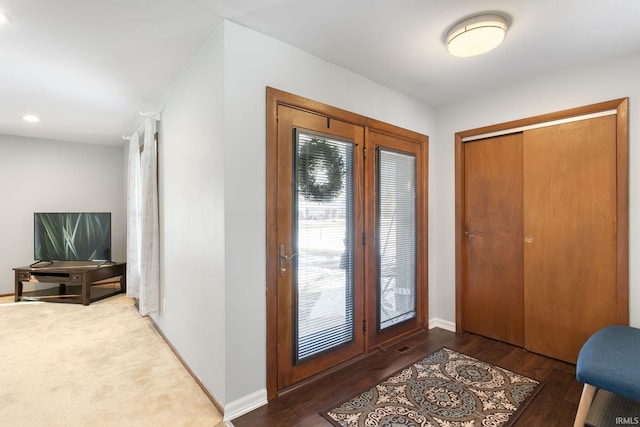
[323,233]
[396,237]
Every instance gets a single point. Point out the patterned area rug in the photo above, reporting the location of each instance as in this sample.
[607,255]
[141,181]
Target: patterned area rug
[445,389]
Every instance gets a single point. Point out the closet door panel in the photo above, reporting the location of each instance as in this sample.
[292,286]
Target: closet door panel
[493,292]
[570,273]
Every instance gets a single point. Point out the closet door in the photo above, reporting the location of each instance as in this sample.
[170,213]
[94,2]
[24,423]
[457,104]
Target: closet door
[570,272]
[493,290]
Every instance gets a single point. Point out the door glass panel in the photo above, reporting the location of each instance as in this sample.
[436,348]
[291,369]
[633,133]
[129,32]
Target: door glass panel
[396,237]
[323,241]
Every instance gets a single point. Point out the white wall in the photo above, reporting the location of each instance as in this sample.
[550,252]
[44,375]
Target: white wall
[50,176]
[191,197]
[571,88]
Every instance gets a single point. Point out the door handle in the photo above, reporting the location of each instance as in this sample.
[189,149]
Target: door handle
[283,259]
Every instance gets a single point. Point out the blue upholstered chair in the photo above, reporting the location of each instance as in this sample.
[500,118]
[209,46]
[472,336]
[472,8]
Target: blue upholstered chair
[610,360]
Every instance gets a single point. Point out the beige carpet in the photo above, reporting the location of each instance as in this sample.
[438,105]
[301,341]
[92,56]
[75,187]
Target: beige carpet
[67,365]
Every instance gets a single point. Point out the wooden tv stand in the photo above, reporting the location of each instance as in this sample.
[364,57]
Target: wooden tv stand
[78,282]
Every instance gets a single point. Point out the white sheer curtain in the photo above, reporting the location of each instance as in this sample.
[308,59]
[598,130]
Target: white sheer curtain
[143,237]
[134,215]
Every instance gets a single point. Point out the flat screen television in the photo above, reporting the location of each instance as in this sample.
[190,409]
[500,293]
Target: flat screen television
[72,236]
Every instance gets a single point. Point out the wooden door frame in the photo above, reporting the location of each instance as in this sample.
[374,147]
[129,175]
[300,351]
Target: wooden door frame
[275,97]
[622,182]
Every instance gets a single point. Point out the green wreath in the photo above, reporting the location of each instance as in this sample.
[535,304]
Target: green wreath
[320,170]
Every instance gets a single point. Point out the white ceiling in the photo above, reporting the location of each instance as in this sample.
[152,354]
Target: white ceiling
[81,65]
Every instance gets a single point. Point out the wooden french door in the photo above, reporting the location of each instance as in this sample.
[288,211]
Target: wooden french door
[346,237]
[320,278]
[396,219]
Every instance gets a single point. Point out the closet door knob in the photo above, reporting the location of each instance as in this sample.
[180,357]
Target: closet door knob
[529,238]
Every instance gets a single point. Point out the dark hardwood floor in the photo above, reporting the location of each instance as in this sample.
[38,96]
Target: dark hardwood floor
[555,404]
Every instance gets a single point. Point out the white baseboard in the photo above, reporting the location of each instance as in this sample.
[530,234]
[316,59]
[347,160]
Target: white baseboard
[442,324]
[243,405]
[9,304]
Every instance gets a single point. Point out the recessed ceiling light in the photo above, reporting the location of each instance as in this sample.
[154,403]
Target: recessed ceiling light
[476,35]
[3,18]
[30,118]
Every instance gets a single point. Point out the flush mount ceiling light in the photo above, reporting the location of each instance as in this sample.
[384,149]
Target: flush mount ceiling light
[3,18]
[30,118]
[476,35]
